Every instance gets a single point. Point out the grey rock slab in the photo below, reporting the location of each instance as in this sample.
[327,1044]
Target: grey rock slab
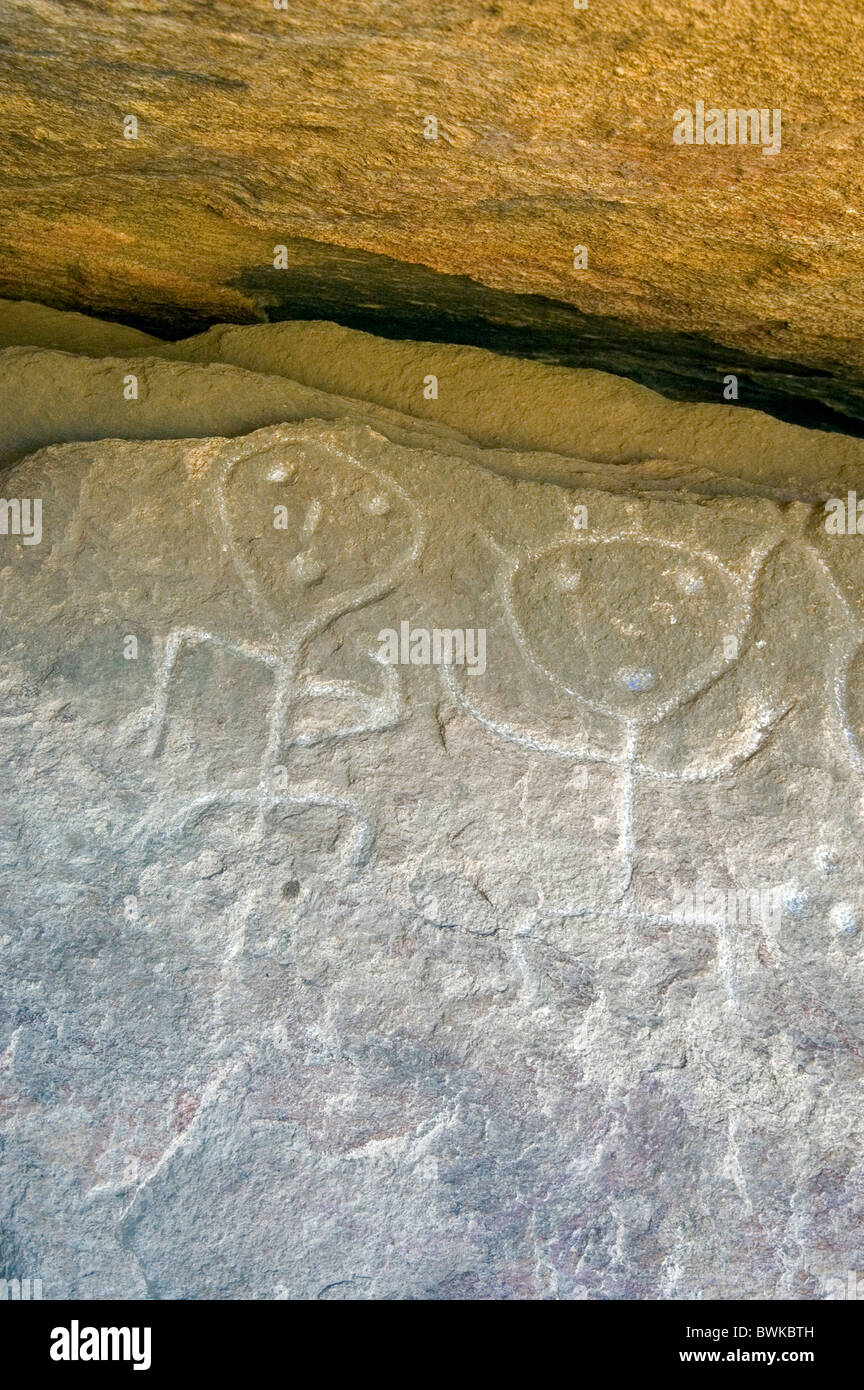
[327,976]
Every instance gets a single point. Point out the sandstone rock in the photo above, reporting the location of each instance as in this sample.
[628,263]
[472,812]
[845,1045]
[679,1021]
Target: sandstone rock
[23,323]
[305,128]
[334,978]
[533,421]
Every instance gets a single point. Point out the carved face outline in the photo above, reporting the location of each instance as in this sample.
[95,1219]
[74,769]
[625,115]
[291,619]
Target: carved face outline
[314,533]
[616,643]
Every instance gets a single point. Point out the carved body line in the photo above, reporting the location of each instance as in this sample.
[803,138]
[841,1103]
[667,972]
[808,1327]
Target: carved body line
[285,650]
[840,683]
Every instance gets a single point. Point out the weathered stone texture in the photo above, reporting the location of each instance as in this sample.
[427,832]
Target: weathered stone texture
[330,978]
[532,420]
[304,127]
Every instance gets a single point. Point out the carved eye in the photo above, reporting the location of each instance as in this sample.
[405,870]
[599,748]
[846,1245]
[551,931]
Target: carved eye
[689,582]
[569,579]
[280,473]
[308,568]
[377,505]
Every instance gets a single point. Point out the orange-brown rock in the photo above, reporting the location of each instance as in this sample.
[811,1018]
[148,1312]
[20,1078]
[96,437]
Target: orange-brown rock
[304,127]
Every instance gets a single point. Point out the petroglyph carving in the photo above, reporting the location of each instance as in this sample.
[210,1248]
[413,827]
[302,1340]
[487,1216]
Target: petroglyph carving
[631,656]
[285,519]
[845,695]
[293,946]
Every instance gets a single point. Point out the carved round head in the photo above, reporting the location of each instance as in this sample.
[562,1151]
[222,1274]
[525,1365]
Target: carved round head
[314,533]
[628,625]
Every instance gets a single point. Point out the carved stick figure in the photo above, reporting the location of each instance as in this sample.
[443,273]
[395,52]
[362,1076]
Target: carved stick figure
[301,576]
[618,646]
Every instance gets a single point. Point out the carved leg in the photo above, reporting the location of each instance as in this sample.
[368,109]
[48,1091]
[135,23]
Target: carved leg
[174,643]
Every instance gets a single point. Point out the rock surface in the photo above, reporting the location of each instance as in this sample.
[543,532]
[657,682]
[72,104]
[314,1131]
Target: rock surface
[304,127]
[328,977]
[532,420]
